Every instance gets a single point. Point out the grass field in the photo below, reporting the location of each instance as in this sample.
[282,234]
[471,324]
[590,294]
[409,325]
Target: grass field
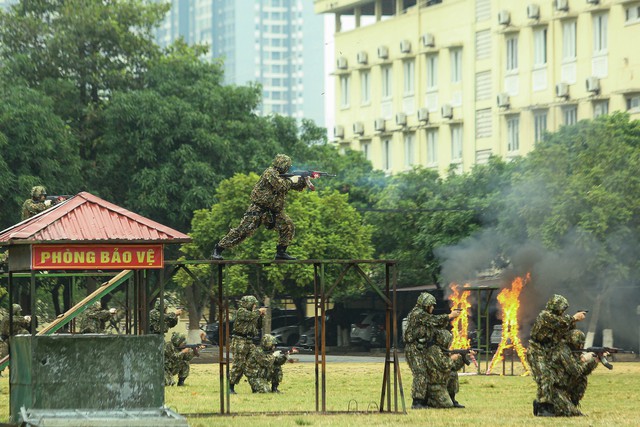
[612,399]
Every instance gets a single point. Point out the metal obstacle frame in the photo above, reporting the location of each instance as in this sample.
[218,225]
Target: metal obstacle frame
[390,384]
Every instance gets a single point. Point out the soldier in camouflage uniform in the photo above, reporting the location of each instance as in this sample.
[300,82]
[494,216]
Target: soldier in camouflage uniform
[94,319]
[170,319]
[441,383]
[247,325]
[21,325]
[418,336]
[267,208]
[550,328]
[176,359]
[572,368]
[37,203]
[264,368]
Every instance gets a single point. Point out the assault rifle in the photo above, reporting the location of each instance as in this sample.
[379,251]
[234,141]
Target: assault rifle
[288,351]
[307,176]
[467,357]
[195,347]
[601,352]
[58,198]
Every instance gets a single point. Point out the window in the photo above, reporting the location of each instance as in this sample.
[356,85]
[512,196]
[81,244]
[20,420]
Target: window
[432,146]
[513,134]
[409,79]
[344,91]
[456,65]
[540,125]
[600,32]
[540,47]
[432,71]
[600,108]
[409,150]
[570,115]
[365,87]
[387,88]
[632,14]
[386,154]
[512,53]
[456,143]
[366,149]
[569,41]
[633,103]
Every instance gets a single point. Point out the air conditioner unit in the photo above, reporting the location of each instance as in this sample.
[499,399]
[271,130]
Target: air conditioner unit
[562,5]
[405,46]
[533,11]
[428,40]
[503,100]
[401,119]
[504,17]
[446,111]
[593,84]
[358,128]
[341,63]
[593,1]
[423,114]
[362,57]
[383,52]
[562,90]
[378,125]
[338,131]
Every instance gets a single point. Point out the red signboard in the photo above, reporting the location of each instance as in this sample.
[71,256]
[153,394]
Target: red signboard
[92,257]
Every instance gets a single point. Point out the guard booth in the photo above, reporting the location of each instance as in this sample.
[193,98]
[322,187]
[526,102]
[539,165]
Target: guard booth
[100,379]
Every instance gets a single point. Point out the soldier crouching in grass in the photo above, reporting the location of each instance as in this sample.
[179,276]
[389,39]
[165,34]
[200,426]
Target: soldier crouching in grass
[264,368]
[247,325]
[177,359]
[418,337]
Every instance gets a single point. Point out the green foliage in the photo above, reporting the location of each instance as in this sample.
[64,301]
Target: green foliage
[37,149]
[580,187]
[327,227]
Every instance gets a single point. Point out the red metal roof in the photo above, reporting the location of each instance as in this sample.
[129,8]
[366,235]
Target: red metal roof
[88,218]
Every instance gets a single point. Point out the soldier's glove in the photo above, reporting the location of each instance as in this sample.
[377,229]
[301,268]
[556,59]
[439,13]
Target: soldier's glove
[294,179]
[112,310]
[27,318]
[588,357]
[277,353]
[47,202]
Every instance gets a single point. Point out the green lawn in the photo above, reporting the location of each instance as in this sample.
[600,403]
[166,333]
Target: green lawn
[612,399]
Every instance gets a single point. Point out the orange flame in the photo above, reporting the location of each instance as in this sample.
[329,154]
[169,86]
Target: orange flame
[461,323]
[510,303]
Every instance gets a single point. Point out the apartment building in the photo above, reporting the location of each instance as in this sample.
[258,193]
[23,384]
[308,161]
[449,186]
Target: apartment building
[277,43]
[448,83]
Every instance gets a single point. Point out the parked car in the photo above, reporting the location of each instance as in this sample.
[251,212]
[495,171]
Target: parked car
[212,331]
[308,339]
[286,329]
[279,320]
[369,331]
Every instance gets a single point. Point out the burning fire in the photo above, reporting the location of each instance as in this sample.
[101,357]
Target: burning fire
[510,303]
[461,323]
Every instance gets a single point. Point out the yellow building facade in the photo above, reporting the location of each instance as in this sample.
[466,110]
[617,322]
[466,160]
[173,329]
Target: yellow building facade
[448,83]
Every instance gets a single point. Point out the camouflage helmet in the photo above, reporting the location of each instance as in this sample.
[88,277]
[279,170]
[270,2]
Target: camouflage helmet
[576,339]
[268,342]
[178,339]
[16,309]
[282,162]
[426,300]
[156,304]
[442,338]
[38,191]
[557,304]
[97,305]
[248,301]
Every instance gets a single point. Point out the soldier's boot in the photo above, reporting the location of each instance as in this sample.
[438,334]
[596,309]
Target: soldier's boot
[455,402]
[536,407]
[419,404]
[231,390]
[274,388]
[281,253]
[546,410]
[181,381]
[217,253]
